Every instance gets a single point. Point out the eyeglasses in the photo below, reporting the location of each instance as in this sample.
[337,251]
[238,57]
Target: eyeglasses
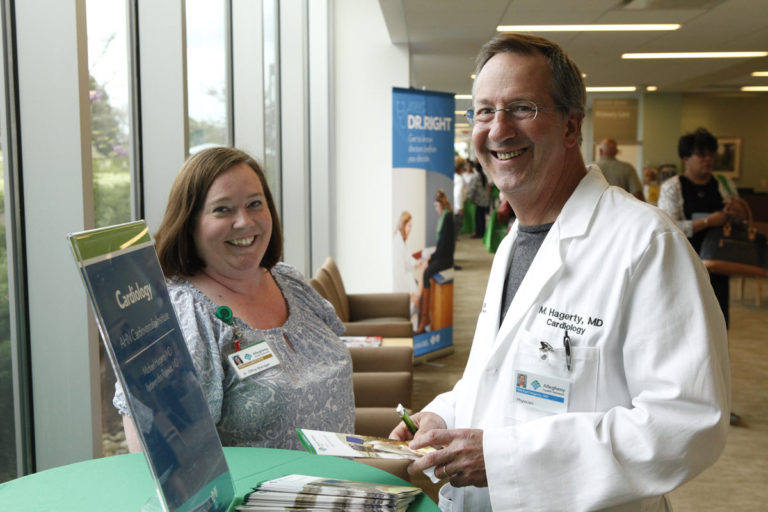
[522,110]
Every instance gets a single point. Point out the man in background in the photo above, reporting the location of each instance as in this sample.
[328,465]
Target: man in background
[616,172]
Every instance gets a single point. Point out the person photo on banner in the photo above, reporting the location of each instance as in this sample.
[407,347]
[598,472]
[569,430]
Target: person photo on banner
[441,259]
[408,271]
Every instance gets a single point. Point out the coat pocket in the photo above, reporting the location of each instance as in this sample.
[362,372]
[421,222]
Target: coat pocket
[549,360]
[446,497]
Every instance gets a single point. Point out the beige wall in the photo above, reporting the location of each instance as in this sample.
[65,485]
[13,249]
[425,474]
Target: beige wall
[661,128]
[667,116]
[366,67]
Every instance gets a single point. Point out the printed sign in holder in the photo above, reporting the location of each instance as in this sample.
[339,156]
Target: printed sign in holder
[138,325]
[422,163]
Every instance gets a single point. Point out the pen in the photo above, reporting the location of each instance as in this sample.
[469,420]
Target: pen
[406,419]
[567,344]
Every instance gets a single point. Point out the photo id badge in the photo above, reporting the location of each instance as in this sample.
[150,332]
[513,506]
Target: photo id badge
[541,392]
[253,359]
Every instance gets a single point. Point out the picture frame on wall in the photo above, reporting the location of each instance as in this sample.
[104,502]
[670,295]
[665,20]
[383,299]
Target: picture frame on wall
[728,157]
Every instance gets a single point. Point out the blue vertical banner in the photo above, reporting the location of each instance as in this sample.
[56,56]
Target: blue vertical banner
[422,130]
[423,243]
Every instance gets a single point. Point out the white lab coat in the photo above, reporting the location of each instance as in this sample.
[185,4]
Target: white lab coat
[650,382]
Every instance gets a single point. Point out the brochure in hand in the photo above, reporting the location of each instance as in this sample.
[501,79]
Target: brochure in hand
[141,334]
[351,445]
[300,492]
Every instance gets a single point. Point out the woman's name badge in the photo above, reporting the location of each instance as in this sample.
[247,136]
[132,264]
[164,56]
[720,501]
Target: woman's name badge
[253,359]
[542,392]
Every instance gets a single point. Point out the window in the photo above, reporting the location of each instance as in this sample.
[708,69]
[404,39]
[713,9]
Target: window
[108,64]
[272,99]
[109,94]
[207,67]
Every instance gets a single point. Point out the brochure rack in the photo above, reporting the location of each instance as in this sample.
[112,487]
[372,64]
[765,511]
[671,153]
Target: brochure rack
[138,325]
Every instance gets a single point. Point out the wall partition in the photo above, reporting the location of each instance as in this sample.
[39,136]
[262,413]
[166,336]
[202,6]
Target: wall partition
[56,176]
[162,106]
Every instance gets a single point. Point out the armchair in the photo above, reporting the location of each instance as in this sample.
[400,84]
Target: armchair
[382,378]
[364,314]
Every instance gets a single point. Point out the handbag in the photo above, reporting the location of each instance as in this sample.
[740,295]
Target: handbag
[736,248]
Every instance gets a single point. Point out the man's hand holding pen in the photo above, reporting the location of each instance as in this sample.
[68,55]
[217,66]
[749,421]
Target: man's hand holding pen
[460,458]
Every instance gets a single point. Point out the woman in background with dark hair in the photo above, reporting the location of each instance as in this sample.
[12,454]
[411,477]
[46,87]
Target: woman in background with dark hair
[697,201]
[219,245]
[442,258]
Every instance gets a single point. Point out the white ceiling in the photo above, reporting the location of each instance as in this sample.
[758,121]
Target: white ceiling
[444,36]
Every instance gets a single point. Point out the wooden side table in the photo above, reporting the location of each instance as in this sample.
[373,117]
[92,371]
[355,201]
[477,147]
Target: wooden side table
[441,305]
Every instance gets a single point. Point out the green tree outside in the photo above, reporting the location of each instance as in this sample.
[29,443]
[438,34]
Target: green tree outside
[109,154]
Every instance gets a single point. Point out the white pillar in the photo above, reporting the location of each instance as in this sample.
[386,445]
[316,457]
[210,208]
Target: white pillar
[54,126]
[163,108]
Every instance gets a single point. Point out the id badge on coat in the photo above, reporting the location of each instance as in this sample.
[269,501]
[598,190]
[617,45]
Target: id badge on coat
[542,392]
[253,359]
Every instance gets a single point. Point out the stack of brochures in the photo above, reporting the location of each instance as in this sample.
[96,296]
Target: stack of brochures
[350,445]
[299,492]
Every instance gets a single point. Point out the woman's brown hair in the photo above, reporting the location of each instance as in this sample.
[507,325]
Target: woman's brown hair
[402,221]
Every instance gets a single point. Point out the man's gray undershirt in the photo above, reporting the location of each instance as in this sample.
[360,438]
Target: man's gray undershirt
[527,243]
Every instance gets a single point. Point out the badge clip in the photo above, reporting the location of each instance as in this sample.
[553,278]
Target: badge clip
[545,347]
[224,313]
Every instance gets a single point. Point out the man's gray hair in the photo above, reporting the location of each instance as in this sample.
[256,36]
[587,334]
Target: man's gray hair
[568,89]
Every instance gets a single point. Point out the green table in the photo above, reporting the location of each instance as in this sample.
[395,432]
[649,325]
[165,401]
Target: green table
[123,482]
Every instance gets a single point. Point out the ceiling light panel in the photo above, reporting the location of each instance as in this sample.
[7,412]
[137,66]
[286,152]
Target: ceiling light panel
[612,89]
[694,55]
[625,27]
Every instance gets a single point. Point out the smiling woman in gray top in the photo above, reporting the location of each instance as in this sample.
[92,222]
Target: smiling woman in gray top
[219,245]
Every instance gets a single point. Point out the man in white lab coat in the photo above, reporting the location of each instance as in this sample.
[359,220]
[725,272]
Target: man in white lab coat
[598,376]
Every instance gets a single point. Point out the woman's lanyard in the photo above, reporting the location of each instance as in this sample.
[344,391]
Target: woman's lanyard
[224,313]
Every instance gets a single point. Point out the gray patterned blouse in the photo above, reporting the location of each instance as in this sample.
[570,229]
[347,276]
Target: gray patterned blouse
[310,388]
